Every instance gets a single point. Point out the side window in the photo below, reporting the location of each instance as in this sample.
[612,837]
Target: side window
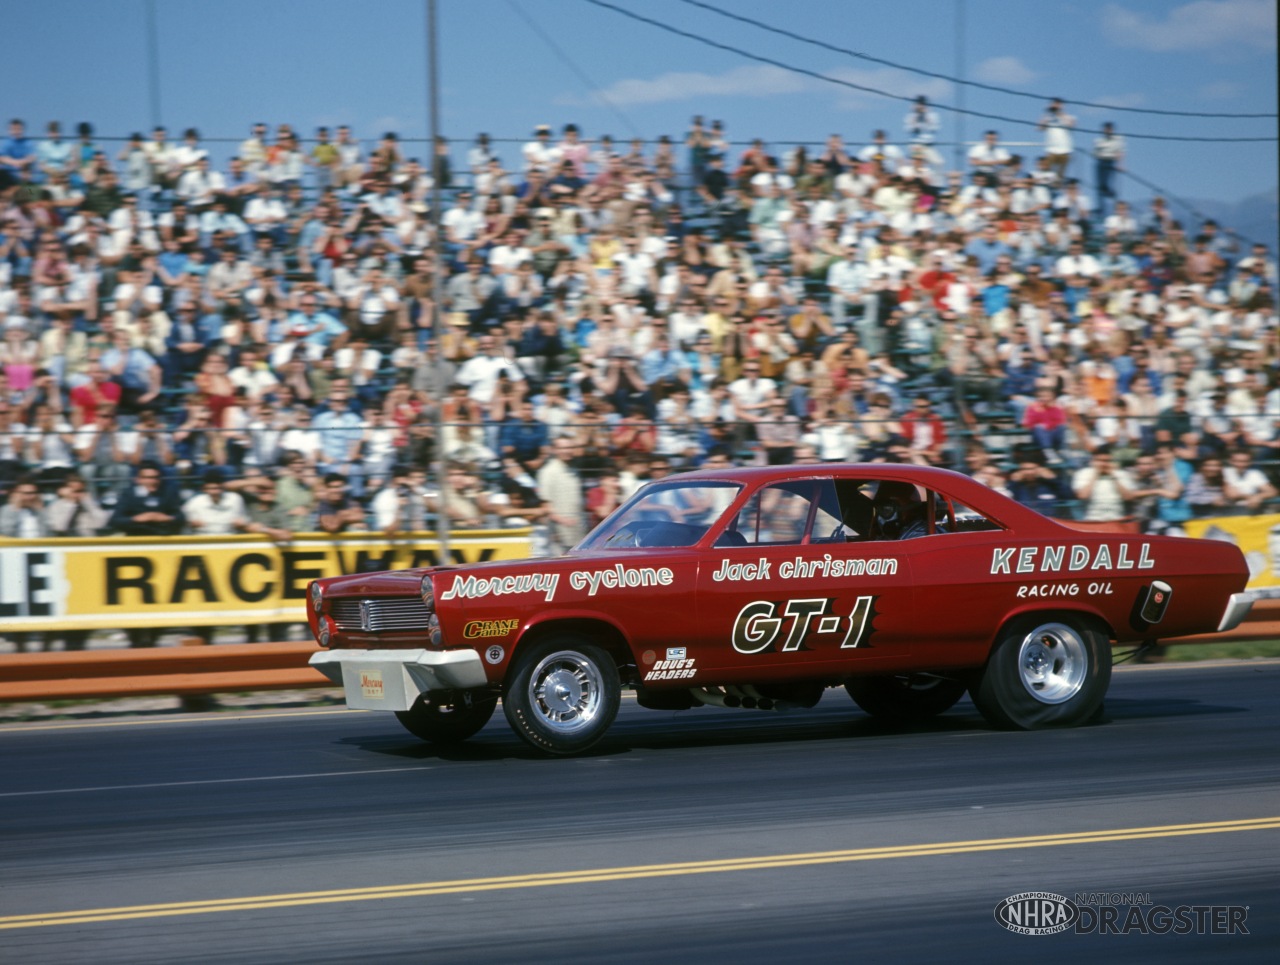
[828,521]
[963,519]
[779,515]
[773,516]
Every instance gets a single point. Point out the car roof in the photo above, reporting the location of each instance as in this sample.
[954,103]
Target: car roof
[954,484]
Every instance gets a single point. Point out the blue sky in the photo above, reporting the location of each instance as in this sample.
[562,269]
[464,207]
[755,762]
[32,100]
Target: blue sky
[227,63]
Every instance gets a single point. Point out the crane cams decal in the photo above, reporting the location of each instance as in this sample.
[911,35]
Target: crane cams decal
[802,625]
[489,628]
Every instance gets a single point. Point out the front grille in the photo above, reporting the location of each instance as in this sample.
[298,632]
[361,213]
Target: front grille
[380,615]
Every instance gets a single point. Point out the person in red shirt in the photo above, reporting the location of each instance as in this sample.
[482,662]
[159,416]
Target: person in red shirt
[1047,420]
[925,433]
[935,280]
[98,391]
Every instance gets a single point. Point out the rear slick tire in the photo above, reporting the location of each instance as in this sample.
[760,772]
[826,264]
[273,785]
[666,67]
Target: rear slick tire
[1051,670]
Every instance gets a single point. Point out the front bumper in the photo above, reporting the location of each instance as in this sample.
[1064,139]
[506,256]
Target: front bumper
[393,679]
[1237,606]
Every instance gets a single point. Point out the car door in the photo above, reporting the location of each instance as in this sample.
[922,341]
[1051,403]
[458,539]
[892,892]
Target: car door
[791,591]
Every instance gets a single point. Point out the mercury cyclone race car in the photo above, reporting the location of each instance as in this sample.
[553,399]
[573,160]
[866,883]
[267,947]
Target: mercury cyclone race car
[760,588]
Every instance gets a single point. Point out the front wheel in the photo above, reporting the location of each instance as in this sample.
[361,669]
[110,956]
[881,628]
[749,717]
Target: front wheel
[562,695]
[1045,673]
[448,723]
[906,698]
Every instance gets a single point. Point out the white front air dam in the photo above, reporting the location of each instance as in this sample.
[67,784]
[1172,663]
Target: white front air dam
[393,679]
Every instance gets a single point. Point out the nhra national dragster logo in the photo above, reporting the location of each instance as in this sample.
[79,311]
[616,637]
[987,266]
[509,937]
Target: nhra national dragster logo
[1044,913]
[1037,913]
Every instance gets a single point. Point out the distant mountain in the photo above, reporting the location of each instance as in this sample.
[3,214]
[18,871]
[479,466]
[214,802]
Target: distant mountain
[1256,218]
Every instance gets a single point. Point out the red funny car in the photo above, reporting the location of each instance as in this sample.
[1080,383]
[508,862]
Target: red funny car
[761,588]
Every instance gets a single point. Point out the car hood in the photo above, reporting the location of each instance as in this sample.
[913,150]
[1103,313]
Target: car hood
[382,583]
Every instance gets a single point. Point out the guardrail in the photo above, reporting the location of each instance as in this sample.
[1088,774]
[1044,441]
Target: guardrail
[230,668]
[181,671]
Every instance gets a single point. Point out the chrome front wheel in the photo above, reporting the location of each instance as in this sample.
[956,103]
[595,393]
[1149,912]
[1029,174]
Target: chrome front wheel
[562,695]
[568,691]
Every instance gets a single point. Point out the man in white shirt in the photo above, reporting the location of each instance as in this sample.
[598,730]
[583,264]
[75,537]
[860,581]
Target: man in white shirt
[889,156]
[1056,124]
[847,279]
[1245,486]
[636,269]
[1077,262]
[265,214]
[253,374]
[504,258]
[214,511]
[751,394]
[253,150]
[540,154]
[188,154]
[1104,489]
[988,155]
[481,372]
[199,185]
[462,224]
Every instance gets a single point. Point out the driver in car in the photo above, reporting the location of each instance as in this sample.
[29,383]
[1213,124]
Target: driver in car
[899,511]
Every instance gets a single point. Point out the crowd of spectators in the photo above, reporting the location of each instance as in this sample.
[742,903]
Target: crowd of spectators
[249,347]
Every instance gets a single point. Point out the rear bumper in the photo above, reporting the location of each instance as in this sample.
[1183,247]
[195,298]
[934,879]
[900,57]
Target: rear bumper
[1237,606]
[393,679]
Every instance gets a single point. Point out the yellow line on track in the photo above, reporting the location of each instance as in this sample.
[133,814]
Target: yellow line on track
[633,873]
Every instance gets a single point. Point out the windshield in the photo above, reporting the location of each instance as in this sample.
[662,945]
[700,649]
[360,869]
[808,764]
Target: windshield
[669,513]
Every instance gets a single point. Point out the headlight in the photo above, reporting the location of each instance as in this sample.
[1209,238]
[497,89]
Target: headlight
[428,591]
[433,630]
[317,597]
[324,632]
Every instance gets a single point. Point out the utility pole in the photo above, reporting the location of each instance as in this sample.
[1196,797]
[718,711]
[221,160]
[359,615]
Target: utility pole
[153,63]
[437,288]
[960,150]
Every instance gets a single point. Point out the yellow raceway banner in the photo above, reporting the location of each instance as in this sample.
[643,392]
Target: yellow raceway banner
[1258,538]
[123,583]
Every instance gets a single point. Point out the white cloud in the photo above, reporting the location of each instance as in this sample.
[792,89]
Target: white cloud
[1220,90]
[1004,70]
[1200,25]
[765,81]
[899,82]
[1132,99]
[752,81]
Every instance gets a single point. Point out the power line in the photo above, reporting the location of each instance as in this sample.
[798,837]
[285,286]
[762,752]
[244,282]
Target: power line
[897,97]
[955,80]
[587,82]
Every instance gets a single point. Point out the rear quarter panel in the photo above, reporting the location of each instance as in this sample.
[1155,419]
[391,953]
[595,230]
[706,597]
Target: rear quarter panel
[981,580]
